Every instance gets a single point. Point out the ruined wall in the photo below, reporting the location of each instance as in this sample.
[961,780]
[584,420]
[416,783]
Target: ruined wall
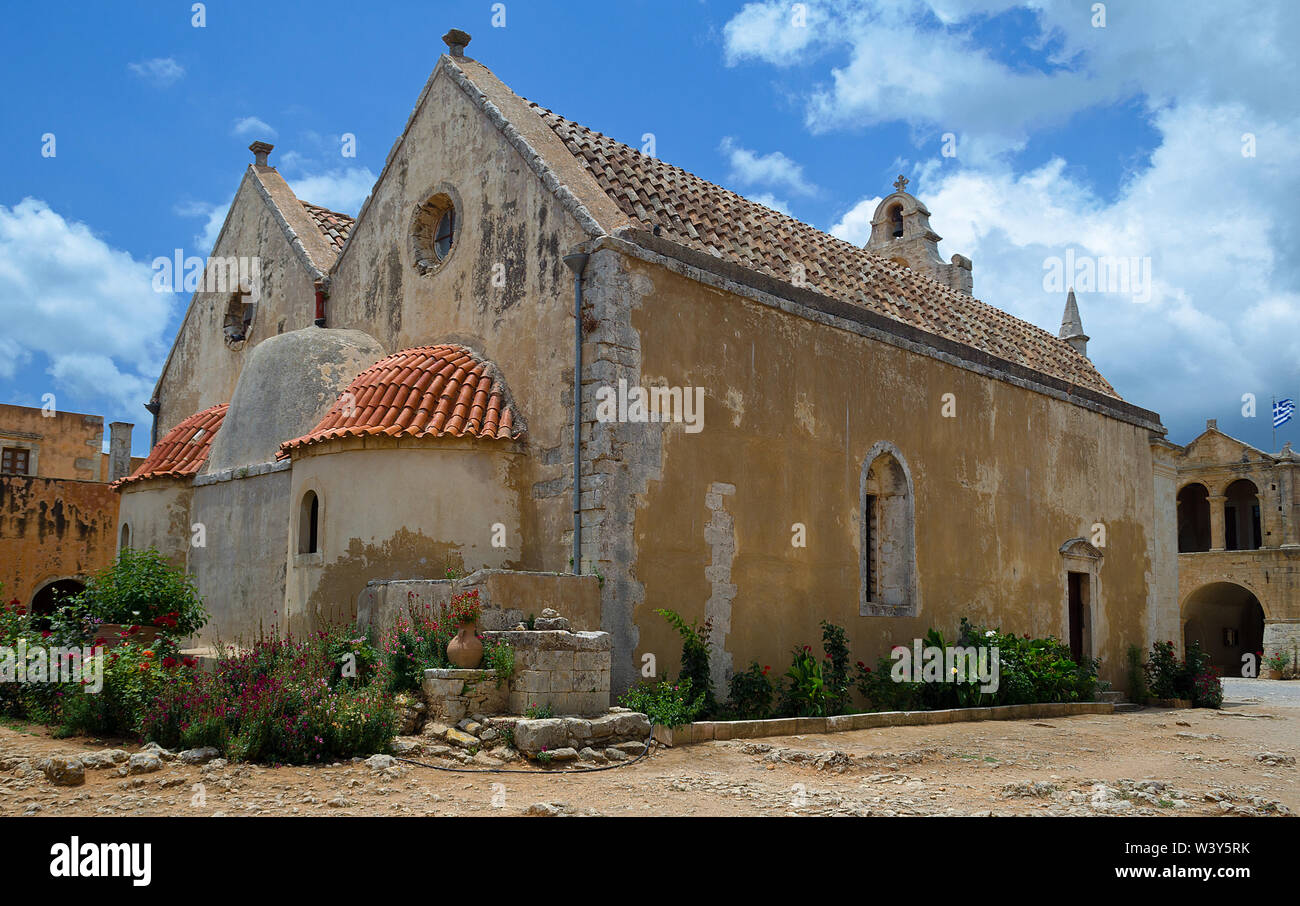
[503,290]
[393,509]
[792,406]
[53,529]
[59,445]
[203,369]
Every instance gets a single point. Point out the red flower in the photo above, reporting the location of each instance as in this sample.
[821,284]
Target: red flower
[169,662]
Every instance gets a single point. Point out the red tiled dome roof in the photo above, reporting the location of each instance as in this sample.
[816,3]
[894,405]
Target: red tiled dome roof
[183,450]
[427,391]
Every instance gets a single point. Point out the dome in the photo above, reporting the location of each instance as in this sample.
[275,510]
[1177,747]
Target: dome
[288,383]
[426,391]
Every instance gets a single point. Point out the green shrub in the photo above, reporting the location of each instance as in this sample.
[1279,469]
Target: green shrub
[751,694]
[499,657]
[667,702]
[695,656]
[806,694]
[835,670]
[140,588]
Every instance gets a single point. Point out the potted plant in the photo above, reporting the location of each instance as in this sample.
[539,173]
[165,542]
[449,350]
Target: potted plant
[136,599]
[1274,664]
[466,649]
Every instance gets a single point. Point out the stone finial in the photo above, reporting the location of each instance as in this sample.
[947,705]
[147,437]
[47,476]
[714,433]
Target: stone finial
[1211,424]
[900,184]
[260,151]
[1072,326]
[456,41]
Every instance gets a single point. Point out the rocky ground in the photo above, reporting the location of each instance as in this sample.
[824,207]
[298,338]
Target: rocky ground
[1238,761]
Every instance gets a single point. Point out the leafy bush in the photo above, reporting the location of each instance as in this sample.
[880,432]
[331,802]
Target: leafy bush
[415,644]
[499,657]
[835,670]
[133,676]
[281,701]
[140,588]
[695,656]
[1189,679]
[751,694]
[667,702]
[806,696]
[537,711]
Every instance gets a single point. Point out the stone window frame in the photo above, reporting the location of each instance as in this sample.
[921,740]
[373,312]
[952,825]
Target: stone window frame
[239,303]
[437,201]
[1078,555]
[911,605]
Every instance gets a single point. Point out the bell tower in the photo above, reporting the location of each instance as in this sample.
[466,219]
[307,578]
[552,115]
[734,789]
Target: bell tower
[900,231]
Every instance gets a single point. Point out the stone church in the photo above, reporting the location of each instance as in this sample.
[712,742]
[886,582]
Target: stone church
[396,396]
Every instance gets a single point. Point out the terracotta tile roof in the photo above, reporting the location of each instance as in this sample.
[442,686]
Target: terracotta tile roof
[334,226]
[426,391]
[707,218]
[183,450]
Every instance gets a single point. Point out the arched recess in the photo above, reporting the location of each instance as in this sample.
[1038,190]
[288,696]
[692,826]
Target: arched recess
[1241,516]
[124,537]
[1081,600]
[1193,518]
[53,594]
[309,524]
[1228,621]
[887,507]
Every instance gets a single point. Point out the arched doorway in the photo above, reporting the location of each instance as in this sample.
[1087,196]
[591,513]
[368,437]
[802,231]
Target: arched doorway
[1241,527]
[51,596]
[1227,620]
[1193,519]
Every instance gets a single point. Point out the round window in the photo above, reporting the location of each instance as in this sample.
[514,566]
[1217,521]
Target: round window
[433,232]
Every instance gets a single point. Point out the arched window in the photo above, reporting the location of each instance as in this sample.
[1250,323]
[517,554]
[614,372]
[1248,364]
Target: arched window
[889,586]
[1193,519]
[896,221]
[1241,528]
[124,540]
[309,524]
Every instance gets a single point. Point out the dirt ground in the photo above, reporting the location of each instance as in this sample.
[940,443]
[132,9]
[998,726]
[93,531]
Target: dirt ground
[1238,761]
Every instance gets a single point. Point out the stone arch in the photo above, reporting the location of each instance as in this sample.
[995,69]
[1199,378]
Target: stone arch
[1242,527]
[1227,618]
[50,594]
[1193,504]
[887,508]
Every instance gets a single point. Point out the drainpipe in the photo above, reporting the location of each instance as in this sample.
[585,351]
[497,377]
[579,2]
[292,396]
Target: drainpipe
[577,262]
[320,303]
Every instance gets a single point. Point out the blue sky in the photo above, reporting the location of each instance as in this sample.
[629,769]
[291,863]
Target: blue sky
[1120,139]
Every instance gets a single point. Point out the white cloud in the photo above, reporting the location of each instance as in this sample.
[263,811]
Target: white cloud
[341,190]
[771,201]
[213,217]
[88,308]
[774,169]
[161,71]
[1217,227]
[251,125]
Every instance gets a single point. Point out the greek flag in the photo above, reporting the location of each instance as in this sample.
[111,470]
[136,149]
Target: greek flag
[1282,410]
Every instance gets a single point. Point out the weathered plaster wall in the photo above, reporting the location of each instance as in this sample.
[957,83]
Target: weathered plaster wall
[59,445]
[240,569]
[791,408]
[502,291]
[157,512]
[203,370]
[397,510]
[53,529]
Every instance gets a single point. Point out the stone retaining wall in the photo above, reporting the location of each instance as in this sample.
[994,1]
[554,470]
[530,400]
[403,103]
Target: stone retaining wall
[451,694]
[568,671]
[706,730]
[564,738]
